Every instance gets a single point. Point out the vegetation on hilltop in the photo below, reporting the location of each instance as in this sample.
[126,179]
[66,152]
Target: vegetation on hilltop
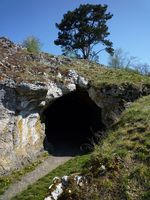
[84,28]
[22,65]
[32,44]
[123,60]
[100,75]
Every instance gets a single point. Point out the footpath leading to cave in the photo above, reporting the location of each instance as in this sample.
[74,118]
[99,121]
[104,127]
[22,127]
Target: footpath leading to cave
[43,169]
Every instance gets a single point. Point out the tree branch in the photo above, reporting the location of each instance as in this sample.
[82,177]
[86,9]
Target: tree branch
[98,52]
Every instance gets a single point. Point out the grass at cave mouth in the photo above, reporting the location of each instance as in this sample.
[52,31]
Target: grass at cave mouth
[39,189]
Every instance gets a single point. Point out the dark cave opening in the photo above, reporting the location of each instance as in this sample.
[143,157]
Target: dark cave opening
[70,123]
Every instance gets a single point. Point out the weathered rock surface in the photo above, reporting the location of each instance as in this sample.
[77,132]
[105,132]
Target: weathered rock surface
[28,84]
[63,184]
[21,130]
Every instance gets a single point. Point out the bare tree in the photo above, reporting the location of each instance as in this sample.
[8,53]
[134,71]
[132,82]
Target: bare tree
[121,59]
[143,68]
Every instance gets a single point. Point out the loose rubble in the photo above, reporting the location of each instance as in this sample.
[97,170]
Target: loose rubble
[62,184]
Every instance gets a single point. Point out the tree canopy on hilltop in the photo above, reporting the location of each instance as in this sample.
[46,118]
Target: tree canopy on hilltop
[84,28]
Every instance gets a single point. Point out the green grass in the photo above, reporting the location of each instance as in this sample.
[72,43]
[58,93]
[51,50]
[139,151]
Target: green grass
[99,75]
[132,132]
[125,152]
[39,189]
[16,175]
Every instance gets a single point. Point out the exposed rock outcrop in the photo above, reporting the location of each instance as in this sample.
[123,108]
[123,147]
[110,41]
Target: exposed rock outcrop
[21,130]
[28,84]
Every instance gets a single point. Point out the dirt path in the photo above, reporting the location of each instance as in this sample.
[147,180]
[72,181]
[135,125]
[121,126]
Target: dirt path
[44,168]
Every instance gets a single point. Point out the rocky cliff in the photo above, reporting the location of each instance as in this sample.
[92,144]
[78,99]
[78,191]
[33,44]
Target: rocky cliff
[29,83]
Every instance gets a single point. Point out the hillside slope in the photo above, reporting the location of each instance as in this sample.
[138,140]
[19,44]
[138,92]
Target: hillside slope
[119,166]
[30,83]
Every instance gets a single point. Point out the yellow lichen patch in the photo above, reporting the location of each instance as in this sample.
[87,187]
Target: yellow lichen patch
[38,127]
[4,161]
[29,131]
[20,152]
[5,130]
[20,128]
[39,133]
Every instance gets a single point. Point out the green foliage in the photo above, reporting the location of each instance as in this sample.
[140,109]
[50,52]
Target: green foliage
[70,53]
[82,29]
[32,44]
[99,75]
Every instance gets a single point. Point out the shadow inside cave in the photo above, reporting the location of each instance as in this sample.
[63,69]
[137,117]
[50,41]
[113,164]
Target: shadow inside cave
[70,124]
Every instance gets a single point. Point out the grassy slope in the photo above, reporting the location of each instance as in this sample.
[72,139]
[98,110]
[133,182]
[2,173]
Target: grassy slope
[125,154]
[99,75]
[33,70]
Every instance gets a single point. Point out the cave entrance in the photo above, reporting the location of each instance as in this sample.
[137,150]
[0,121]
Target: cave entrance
[70,123]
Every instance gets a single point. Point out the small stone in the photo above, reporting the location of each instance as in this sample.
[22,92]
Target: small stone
[59,75]
[82,81]
[73,74]
[103,167]
[71,87]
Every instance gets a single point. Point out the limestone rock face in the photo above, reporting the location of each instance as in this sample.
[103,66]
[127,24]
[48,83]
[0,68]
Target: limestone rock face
[21,103]
[28,85]
[21,130]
